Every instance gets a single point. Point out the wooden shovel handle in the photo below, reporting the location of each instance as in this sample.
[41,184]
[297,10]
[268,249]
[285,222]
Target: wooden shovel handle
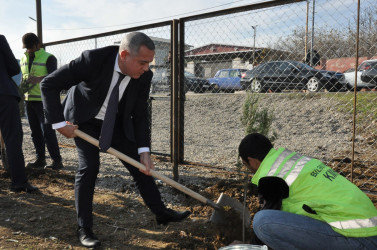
[155,174]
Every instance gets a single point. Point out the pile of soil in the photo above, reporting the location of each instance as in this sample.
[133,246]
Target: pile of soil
[47,219]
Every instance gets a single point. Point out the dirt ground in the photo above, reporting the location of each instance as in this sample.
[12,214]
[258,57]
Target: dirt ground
[47,219]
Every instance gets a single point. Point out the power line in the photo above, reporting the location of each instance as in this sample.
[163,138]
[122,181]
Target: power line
[33,31]
[150,20]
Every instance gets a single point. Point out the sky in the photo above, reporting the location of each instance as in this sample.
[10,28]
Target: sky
[64,19]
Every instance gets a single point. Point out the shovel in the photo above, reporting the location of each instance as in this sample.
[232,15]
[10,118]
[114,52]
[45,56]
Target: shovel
[224,200]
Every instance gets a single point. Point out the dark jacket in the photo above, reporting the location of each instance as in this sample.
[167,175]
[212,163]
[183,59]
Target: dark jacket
[88,79]
[8,67]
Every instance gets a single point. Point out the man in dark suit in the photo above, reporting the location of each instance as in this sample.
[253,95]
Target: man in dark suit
[91,79]
[10,120]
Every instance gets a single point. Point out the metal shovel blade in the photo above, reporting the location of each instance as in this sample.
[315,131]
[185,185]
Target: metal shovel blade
[219,217]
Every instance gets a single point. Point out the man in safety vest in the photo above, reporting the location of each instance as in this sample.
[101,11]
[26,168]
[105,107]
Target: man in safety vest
[35,65]
[304,203]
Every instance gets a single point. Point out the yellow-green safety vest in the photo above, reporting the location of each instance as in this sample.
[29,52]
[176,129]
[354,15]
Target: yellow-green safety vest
[38,68]
[335,199]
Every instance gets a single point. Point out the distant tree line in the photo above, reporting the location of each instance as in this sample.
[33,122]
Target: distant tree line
[335,43]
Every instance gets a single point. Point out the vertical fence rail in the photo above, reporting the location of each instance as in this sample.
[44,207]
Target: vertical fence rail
[355,89]
[182,91]
[175,98]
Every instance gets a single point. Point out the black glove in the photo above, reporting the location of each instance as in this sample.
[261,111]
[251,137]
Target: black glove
[252,189]
[271,192]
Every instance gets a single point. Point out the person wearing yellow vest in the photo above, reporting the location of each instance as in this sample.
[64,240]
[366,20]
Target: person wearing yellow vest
[35,65]
[305,204]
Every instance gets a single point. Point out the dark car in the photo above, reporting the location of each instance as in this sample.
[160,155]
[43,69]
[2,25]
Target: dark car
[281,75]
[161,82]
[227,80]
[369,74]
[194,83]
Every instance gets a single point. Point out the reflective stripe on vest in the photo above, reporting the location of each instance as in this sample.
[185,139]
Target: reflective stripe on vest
[291,169]
[355,224]
[39,64]
[31,96]
[296,161]
[38,68]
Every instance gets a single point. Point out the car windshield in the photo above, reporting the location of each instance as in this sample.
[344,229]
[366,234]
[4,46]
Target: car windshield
[362,66]
[158,75]
[223,74]
[234,73]
[367,65]
[188,74]
[301,66]
[248,73]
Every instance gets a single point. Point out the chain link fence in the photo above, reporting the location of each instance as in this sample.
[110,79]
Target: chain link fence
[66,51]
[297,59]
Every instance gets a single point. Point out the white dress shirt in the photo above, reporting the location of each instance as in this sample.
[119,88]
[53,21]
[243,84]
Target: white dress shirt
[122,87]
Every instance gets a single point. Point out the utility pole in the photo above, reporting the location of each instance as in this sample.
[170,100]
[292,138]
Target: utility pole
[255,31]
[39,20]
[306,29]
[312,43]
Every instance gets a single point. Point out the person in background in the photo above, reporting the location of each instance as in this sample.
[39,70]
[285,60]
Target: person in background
[10,120]
[36,64]
[107,99]
[304,203]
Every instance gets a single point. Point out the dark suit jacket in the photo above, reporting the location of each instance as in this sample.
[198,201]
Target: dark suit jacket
[8,67]
[88,79]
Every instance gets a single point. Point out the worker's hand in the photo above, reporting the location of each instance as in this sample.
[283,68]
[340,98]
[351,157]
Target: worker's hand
[145,159]
[35,79]
[68,130]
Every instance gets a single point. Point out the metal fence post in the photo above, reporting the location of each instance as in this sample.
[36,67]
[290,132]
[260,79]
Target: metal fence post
[174,98]
[182,92]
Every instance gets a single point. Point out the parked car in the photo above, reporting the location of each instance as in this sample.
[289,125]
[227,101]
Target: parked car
[281,75]
[227,80]
[161,82]
[366,75]
[196,84]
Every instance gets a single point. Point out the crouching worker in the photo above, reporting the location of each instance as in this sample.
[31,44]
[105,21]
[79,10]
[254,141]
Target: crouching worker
[304,203]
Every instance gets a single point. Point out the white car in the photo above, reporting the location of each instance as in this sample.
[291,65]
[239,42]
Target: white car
[363,67]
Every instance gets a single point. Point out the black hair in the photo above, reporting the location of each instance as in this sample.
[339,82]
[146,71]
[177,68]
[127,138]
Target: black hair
[254,145]
[29,40]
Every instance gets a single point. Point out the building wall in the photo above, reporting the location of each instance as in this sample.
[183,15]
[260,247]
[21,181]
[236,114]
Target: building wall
[209,69]
[341,64]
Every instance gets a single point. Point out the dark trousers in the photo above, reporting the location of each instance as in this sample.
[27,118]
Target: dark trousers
[89,162]
[11,130]
[41,133]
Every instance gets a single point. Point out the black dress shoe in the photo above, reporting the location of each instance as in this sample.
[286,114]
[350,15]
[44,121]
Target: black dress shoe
[169,215]
[87,237]
[24,188]
[56,165]
[39,163]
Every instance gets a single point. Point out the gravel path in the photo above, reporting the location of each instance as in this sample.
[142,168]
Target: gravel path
[213,130]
